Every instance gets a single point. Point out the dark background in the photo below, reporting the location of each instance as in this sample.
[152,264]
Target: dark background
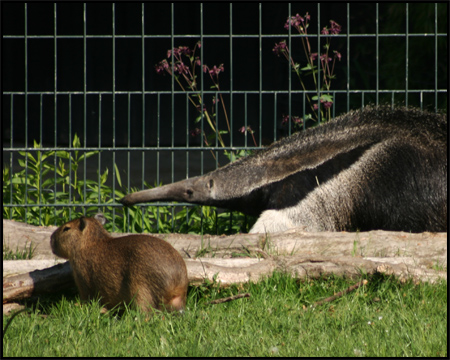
[243,63]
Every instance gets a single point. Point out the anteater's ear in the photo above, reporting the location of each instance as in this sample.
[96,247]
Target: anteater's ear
[100,218]
[83,223]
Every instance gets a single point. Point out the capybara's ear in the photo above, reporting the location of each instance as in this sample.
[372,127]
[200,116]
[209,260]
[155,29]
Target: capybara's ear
[83,223]
[100,218]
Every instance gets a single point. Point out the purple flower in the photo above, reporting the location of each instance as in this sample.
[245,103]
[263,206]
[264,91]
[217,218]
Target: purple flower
[280,47]
[197,61]
[195,132]
[335,27]
[176,52]
[324,31]
[182,68]
[216,70]
[295,119]
[294,21]
[315,106]
[325,57]
[244,129]
[199,107]
[184,50]
[307,17]
[337,55]
[313,56]
[162,67]
[327,104]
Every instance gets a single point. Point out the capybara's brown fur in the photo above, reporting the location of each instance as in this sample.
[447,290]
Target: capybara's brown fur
[139,269]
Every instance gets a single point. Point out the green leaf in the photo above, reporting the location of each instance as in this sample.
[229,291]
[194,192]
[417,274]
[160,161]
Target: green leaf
[308,67]
[63,154]
[87,155]
[327,97]
[119,181]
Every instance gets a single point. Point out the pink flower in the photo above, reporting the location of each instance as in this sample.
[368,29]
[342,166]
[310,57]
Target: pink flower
[216,70]
[337,55]
[280,47]
[325,57]
[162,67]
[182,68]
[335,27]
[195,132]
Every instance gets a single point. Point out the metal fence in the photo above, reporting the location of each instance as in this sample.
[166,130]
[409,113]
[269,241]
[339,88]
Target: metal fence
[89,69]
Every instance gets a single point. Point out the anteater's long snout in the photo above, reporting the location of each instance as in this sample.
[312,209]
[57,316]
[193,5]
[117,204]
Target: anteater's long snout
[194,190]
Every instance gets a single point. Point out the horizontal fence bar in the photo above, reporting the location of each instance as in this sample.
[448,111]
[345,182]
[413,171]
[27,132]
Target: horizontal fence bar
[196,148]
[168,92]
[215,36]
[56,205]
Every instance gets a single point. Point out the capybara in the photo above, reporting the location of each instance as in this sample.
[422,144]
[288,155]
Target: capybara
[141,270]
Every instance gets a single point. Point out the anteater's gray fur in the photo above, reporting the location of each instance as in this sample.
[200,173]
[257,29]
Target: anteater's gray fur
[376,168]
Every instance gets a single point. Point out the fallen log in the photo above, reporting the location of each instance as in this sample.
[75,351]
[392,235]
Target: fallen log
[250,257]
[232,271]
[37,282]
[427,249]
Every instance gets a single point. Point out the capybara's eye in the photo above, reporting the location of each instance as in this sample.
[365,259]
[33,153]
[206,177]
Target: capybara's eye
[66,228]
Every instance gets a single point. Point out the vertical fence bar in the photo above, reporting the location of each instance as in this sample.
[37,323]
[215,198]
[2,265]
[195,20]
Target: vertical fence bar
[11,156]
[406,54]
[260,74]
[84,87]
[348,57]
[289,73]
[55,98]
[158,130]
[40,162]
[26,108]
[377,58]
[436,56]
[201,94]
[203,99]
[113,104]
[230,117]
[319,119]
[143,118]
[173,104]
[99,144]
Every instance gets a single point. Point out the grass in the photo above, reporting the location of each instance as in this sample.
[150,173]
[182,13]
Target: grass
[382,318]
[25,254]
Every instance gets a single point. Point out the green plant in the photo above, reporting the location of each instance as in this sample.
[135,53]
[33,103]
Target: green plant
[26,253]
[42,186]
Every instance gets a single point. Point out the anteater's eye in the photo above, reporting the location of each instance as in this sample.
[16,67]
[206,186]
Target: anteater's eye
[211,183]
[66,228]
[189,192]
